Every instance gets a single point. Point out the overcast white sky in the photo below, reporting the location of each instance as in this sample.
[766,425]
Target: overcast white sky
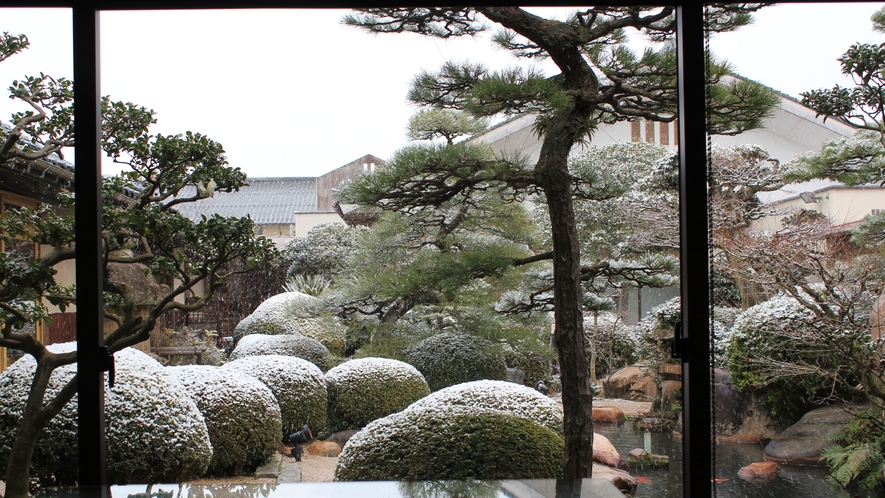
[295,93]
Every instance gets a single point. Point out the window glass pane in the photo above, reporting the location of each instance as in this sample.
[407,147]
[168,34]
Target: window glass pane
[796,267]
[36,226]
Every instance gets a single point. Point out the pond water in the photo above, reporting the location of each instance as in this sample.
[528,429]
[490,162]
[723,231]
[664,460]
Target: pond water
[793,481]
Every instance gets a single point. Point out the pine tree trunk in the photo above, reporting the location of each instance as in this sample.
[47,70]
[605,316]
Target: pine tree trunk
[577,398]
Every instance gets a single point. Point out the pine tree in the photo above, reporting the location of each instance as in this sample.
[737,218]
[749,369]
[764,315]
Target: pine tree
[600,81]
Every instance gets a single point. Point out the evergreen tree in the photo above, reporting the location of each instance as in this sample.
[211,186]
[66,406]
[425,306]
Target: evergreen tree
[600,81]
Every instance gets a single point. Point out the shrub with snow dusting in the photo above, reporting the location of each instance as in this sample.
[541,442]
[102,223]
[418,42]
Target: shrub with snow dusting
[450,358]
[286,345]
[293,313]
[297,384]
[155,433]
[453,442]
[367,389]
[498,395]
[241,414]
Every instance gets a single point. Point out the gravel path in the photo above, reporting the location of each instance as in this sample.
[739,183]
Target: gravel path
[317,469]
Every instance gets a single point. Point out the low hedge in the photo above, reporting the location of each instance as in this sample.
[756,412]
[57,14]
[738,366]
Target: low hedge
[241,413]
[286,345]
[155,433]
[507,397]
[367,389]
[452,443]
[450,358]
[297,384]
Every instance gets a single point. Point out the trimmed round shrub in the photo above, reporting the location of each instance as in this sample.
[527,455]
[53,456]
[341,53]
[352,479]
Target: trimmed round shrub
[155,433]
[454,442]
[241,414]
[297,384]
[286,345]
[498,395]
[449,358]
[367,389]
[292,313]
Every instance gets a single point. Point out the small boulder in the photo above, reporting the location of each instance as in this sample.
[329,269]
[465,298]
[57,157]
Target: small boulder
[803,442]
[341,437]
[324,449]
[637,454]
[632,383]
[608,414]
[669,398]
[620,478]
[760,471]
[604,452]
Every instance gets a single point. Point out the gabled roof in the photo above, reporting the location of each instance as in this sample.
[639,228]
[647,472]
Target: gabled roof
[268,201]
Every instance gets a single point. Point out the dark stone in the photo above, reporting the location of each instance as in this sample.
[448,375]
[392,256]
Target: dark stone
[341,437]
[802,442]
[633,383]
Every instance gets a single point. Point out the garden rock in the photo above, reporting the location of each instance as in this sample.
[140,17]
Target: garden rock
[155,433]
[620,478]
[367,389]
[739,417]
[341,437]
[669,398]
[324,449]
[297,384]
[298,346]
[241,413]
[450,358]
[632,383]
[761,471]
[608,414]
[803,442]
[498,395]
[604,452]
[451,442]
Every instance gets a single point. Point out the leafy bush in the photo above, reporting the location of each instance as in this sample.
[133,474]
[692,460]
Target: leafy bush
[498,395]
[155,433]
[617,344]
[241,414]
[784,354]
[286,345]
[324,251]
[297,384]
[367,389]
[453,442]
[450,358]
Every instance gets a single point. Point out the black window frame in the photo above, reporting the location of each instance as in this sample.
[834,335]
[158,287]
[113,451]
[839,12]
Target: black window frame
[697,435]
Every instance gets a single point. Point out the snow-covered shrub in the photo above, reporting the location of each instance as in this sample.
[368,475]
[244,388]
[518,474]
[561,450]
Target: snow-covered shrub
[293,313]
[286,345]
[451,442]
[367,389]
[297,384]
[241,414]
[786,355]
[155,433]
[449,358]
[498,395]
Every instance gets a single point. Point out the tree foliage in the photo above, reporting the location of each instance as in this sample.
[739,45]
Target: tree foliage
[141,229]
[601,81]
